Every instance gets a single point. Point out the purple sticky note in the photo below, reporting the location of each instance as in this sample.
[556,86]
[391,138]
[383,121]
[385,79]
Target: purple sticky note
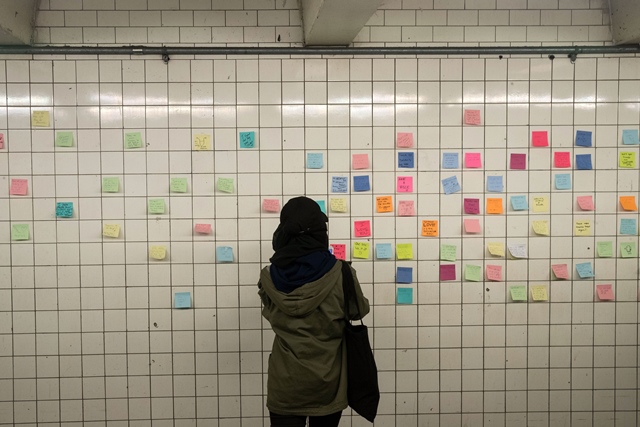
[448,272]
[518,161]
[472,206]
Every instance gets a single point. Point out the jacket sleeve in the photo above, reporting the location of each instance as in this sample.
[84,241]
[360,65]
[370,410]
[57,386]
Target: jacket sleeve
[266,302]
[363,302]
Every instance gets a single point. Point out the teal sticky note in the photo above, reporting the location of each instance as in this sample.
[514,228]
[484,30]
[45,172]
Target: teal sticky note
[519,203]
[64,209]
[182,299]
[224,254]
[323,206]
[563,181]
[630,137]
[405,296]
[585,270]
[628,226]
[384,251]
[247,139]
[314,161]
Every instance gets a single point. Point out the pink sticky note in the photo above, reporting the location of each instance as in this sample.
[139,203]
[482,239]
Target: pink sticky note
[1,140]
[472,206]
[494,272]
[448,272]
[471,117]
[586,203]
[405,208]
[271,205]
[19,187]
[362,228]
[360,161]
[562,159]
[339,250]
[472,160]
[405,139]
[405,184]
[472,226]
[540,138]
[203,228]
[560,271]
[518,161]
[605,292]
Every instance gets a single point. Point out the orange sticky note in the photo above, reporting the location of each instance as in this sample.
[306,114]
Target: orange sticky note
[384,204]
[405,139]
[471,117]
[628,203]
[271,205]
[203,228]
[430,228]
[360,161]
[18,187]
[472,226]
[540,138]
[494,205]
[405,208]
[562,159]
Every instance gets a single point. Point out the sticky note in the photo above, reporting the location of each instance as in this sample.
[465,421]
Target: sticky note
[384,251]
[494,206]
[361,250]
[518,161]
[540,138]
[64,139]
[360,161]
[628,250]
[472,226]
[605,292]
[315,161]
[157,252]
[585,203]
[202,142]
[494,273]
[583,228]
[471,117]
[20,232]
[604,249]
[519,203]
[225,185]
[384,204]
[496,248]
[630,137]
[247,139]
[110,185]
[494,184]
[541,227]
[1,140]
[518,250]
[203,228]
[339,250]
[585,270]
[111,230]
[182,299]
[518,293]
[271,205]
[473,273]
[156,206]
[406,208]
[540,204]
[405,295]
[448,252]
[449,160]
[583,138]
[583,162]
[405,184]
[472,206]
[405,139]
[472,160]
[40,119]
[405,160]
[339,184]
[18,187]
[178,185]
[539,293]
[361,183]
[450,185]
[628,226]
[362,228]
[404,275]
[563,181]
[323,206]
[430,228]
[64,209]
[628,203]
[627,159]
[562,159]
[560,271]
[404,251]
[224,254]
[132,140]
[447,272]
[338,204]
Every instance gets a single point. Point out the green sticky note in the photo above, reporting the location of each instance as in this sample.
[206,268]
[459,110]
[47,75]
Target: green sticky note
[225,185]
[518,293]
[156,206]
[405,295]
[473,273]
[110,185]
[627,159]
[629,250]
[64,139]
[132,140]
[20,232]
[178,185]
[404,251]
[605,249]
[448,252]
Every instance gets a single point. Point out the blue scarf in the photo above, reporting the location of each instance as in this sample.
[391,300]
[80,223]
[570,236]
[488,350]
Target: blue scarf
[305,269]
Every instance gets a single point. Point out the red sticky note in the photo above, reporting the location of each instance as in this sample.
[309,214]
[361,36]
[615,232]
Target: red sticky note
[472,160]
[203,228]
[360,161]
[448,272]
[586,203]
[540,138]
[405,184]
[405,208]
[1,140]
[471,117]
[562,159]
[271,205]
[560,271]
[405,139]
[494,272]
[605,292]
[518,161]
[19,187]
[472,226]
[472,206]
[339,250]
[362,228]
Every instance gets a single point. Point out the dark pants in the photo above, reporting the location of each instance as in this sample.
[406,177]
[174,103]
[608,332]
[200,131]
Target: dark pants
[331,420]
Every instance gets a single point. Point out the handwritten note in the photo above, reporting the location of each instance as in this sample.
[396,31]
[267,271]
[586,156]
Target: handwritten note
[361,183]
[338,204]
[111,230]
[519,203]
[630,137]
[518,161]
[406,208]
[447,272]
[132,140]
[404,275]
[583,138]
[362,228]
[430,228]
[110,184]
[472,273]
[605,292]
[64,139]
[40,119]
[271,205]
[540,204]
[361,250]
[562,159]
[628,226]
[585,270]
[156,206]
[585,203]
[384,251]
[494,184]
[315,161]
[628,203]
[496,248]
[518,250]
[405,139]
[583,228]
[540,138]
[201,142]
[450,185]
[448,252]
[19,232]
[605,249]
[518,293]
[360,161]
[494,273]
[405,184]
[203,228]
[404,251]
[157,252]
[405,160]
[472,206]
[563,181]
[225,185]
[627,159]
[64,209]
[182,300]
[560,271]
[472,160]
[450,160]
[472,117]
[583,162]
[339,250]
[494,206]
[541,227]
[472,226]
[405,295]
[539,293]
[384,204]
[178,185]
[19,187]
[628,250]
[247,139]
[224,254]
[339,184]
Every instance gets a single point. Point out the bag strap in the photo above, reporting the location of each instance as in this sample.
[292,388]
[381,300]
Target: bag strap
[349,290]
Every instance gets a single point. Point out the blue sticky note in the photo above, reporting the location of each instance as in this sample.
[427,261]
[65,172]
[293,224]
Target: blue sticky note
[383,251]
[323,206]
[630,137]
[361,183]
[339,184]
[519,203]
[224,253]
[583,138]
[247,139]
[450,185]
[563,181]
[404,275]
[583,161]
[628,226]
[405,160]
[314,161]
[182,299]
[64,209]
[585,270]
[494,184]
[405,296]
[450,160]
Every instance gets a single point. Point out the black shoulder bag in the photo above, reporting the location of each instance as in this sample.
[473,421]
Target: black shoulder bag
[363,393]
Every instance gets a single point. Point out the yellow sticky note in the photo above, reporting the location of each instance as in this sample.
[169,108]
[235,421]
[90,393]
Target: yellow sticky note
[404,251]
[494,205]
[157,252]
[40,119]
[496,248]
[384,204]
[539,293]
[627,159]
[541,204]
[628,203]
[430,228]
[541,227]
[361,250]
[583,228]
[201,142]
[338,205]
[111,230]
